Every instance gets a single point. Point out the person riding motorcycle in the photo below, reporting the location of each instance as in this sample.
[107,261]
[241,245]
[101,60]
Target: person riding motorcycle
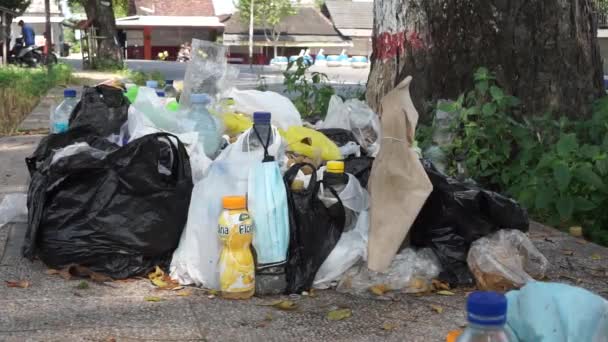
[29,36]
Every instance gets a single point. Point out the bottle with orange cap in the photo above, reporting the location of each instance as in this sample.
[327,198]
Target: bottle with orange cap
[236,265]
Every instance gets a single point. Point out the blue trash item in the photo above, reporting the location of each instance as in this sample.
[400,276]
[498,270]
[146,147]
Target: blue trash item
[544,312]
[486,314]
[206,126]
[60,117]
[152,84]
[267,201]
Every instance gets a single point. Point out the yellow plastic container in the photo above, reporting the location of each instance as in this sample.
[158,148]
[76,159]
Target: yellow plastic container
[236,265]
[310,143]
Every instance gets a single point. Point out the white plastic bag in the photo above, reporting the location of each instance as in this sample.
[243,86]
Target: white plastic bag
[350,249]
[195,261]
[410,272]
[284,113]
[13,208]
[356,116]
[77,148]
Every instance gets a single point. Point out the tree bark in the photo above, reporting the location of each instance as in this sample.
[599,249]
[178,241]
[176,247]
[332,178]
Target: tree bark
[543,51]
[102,13]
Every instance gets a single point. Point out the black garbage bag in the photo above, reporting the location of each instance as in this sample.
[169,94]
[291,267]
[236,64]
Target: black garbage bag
[339,136]
[360,167]
[314,231]
[115,210]
[455,215]
[104,109]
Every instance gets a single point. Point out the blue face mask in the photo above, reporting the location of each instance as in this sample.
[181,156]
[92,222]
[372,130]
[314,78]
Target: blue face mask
[267,204]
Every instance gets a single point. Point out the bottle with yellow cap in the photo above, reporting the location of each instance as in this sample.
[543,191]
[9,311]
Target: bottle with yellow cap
[335,178]
[237,268]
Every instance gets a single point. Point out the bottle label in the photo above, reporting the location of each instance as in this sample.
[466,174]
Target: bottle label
[60,127]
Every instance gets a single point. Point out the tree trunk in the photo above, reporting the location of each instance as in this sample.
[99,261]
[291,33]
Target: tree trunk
[543,51]
[103,19]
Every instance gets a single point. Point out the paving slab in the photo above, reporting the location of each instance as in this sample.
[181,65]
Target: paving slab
[55,309]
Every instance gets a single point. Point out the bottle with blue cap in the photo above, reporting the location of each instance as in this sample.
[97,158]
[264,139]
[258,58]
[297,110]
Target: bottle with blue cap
[487,315]
[152,84]
[261,133]
[206,126]
[60,116]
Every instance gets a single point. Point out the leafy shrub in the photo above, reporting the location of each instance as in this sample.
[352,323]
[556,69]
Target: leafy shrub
[21,88]
[553,166]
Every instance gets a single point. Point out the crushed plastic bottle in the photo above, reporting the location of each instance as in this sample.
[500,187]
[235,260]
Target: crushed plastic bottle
[487,315]
[206,125]
[60,117]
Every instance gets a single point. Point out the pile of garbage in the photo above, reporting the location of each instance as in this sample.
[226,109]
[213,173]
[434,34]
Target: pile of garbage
[230,190]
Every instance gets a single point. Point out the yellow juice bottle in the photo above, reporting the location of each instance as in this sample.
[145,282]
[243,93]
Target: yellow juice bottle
[237,268]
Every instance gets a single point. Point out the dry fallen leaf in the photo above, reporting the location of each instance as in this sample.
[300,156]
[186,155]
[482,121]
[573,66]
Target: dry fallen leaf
[51,271]
[162,280]
[438,309]
[340,314]
[596,256]
[110,339]
[286,305]
[152,299]
[389,326]
[445,293]
[440,285]
[568,252]
[22,284]
[184,293]
[74,270]
[419,284]
[582,242]
[379,289]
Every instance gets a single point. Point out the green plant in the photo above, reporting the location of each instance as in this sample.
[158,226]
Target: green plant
[311,96]
[140,77]
[262,85]
[103,64]
[555,167]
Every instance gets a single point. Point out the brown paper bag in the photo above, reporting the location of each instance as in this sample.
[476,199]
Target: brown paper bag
[399,184]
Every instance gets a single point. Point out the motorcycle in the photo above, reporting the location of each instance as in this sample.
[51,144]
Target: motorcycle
[30,56]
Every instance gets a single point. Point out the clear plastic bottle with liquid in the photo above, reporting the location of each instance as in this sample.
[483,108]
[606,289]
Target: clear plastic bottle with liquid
[206,125]
[152,84]
[60,117]
[487,315]
[261,133]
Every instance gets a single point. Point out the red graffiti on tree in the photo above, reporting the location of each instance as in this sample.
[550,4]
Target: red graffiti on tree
[389,45]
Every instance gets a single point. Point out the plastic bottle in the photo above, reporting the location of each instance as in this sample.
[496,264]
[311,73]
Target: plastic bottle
[205,124]
[60,117]
[487,315]
[236,265]
[152,84]
[335,177]
[261,125]
[170,90]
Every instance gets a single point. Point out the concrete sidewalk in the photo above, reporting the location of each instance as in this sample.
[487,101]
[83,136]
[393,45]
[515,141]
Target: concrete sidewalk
[54,309]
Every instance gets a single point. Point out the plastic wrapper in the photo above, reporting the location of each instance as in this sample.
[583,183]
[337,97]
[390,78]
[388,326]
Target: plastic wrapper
[206,70]
[314,231]
[120,215]
[103,109]
[13,208]
[359,167]
[310,143]
[284,113]
[505,260]
[548,312]
[410,271]
[455,215]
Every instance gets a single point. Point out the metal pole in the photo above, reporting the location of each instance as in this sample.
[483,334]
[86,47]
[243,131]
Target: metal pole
[251,35]
[48,36]
[5,42]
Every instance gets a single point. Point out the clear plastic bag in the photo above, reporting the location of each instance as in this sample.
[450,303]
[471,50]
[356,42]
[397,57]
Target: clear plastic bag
[411,271]
[284,113]
[13,208]
[337,114]
[206,71]
[505,260]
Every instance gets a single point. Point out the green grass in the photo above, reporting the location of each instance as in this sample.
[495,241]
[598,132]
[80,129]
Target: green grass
[22,88]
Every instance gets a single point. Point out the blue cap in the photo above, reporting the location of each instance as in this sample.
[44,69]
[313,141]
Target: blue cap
[152,84]
[69,93]
[169,82]
[200,98]
[160,93]
[261,118]
[487,308]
